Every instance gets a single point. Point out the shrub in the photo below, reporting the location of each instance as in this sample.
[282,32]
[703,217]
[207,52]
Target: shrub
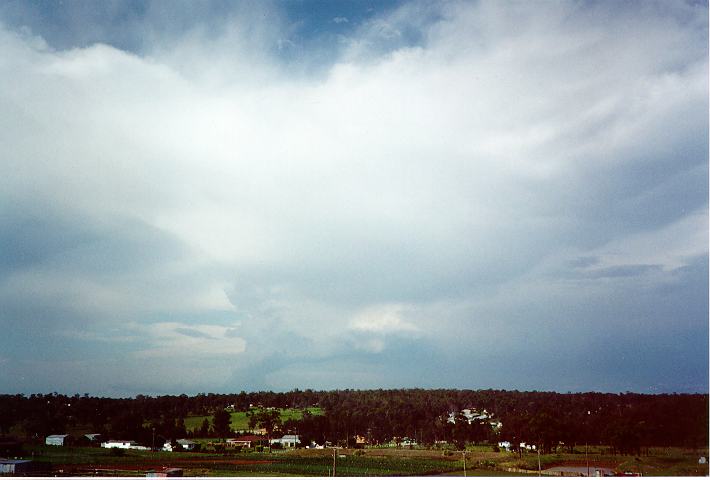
[117,452]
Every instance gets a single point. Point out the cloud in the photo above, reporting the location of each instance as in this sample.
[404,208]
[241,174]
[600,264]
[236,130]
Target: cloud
[670,247]
[382,319]
[454,179]
[173,340]
[340,19]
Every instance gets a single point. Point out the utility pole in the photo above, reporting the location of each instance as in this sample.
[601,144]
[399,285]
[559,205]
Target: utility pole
[464,462]
[586,442]
[335,456]
[539,467]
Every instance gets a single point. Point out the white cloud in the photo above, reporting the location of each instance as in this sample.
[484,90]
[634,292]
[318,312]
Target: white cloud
[383,319]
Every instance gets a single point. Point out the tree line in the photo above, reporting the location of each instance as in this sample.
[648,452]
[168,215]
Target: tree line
[626,422]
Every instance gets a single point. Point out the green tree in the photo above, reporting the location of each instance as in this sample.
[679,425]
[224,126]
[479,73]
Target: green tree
[268,419]
[221,422]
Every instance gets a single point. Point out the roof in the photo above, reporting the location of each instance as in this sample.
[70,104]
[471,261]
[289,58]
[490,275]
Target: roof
[184,440]
[249,438]
[65,435]
[7,461]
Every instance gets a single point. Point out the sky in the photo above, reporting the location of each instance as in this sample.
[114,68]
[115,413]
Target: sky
[221,196]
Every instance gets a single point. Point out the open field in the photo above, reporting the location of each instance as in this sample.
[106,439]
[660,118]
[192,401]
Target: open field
[240,420]
[76,461]
[367,462]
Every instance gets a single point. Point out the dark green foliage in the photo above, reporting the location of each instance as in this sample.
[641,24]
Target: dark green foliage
[117,452]
[220,423]
[628,422]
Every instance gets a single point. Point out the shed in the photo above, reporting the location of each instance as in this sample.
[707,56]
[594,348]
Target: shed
[15,467]
[247,441]
[58,440]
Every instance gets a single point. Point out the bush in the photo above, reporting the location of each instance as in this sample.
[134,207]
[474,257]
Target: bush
[117,452]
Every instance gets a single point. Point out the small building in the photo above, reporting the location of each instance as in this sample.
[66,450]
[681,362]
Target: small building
[287,441]
[184,444]
[505,445]
[360,440]
[58,440]
[16,467]
[124,444]
[89,440]
[246,441]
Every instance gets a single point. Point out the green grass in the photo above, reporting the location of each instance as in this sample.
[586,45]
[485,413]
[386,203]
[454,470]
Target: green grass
[668,462]
[240,421]
[360,463]
[348,466]
[280,464]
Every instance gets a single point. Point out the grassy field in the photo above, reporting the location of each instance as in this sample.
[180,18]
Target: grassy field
[240,421]
[303,463]
[368,462]
[659,462]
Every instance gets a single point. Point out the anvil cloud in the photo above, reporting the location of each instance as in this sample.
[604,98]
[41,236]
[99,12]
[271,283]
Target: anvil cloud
[217,197]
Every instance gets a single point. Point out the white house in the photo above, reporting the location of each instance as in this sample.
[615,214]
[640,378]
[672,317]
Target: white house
[470,415]
[187,445]
[505,445]
[125,444]
[57,440]
[287,441]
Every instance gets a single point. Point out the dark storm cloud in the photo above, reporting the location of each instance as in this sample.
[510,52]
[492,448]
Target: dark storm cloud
[515,192]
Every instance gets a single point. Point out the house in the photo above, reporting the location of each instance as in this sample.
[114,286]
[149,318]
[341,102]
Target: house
[408,442]
[16,467]
[187,445]
[58,440]
[89,439]
[125,444]
[505,445]
[287,441]
[246,441]
[471,415]
[360,440]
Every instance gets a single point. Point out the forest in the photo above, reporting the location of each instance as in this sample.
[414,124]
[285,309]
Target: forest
[626,423]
